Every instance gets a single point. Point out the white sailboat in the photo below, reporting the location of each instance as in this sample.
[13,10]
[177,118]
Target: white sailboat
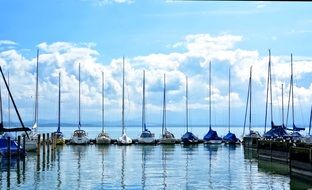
[80,136]
[103,137]
[146,136]
[123,139]
[31,141]
[166,136]
[59,135]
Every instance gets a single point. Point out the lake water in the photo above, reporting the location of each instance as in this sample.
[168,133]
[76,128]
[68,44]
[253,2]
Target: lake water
[147,167]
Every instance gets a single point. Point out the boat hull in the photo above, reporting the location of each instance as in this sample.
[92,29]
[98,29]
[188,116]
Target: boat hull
[167,141]
[124,140]
[79,140]
[213,141]
[147,140]
[103,140]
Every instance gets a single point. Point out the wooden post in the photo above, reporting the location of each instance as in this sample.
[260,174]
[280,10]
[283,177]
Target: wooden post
[48,145]
[43,144]
[52,141]
[9,148]
[38,145]
[18,146]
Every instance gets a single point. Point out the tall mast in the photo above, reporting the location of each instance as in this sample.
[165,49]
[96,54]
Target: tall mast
[9,103]
[247,103]
[229,98]
[79,116]
[250,90]
[143,104]
[186,102]
[36,95]
[164,108]
[123,96]
[59,106]
[210,95]
[292,89]
[267,93]
[270,77]
[283,104]
[102,101]
[310,125]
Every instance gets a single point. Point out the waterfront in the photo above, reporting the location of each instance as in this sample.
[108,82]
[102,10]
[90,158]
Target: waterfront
[147,167]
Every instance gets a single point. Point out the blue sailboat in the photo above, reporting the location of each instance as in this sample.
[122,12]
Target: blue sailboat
[230,138]
[295,135]
[276,131]
[7,139]
[188,137]
[146,136]
[212,136]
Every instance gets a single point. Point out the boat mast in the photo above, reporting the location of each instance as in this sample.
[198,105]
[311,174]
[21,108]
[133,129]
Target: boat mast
[102,101]
[59,106]
[143,105]
[36,95]
[247,102]
[267,93]
[164,108]
[250,88]
[186,102]
[292,89]
[79,116]
[229,124]
[310,125]
[123,96]
[283,104]
[270,86]
[9,104]
[210,95]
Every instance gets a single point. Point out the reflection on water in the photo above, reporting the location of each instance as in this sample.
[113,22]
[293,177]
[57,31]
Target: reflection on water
[147,167]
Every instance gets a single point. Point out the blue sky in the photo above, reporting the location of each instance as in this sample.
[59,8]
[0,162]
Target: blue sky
[172,37]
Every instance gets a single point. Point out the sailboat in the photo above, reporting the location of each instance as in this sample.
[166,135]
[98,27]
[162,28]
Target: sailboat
[212,136]
[123,139]
[248,139]
[4,139]
[276,131]
[103,137]
[23,128]
[80,136]
[295,135]
[230,138]
[308,138]
[146,136]
[31,141]
[59,135]
[166,137]
[188,137]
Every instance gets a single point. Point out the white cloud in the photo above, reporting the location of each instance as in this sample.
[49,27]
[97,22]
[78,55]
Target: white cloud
[7,42]
[193,60]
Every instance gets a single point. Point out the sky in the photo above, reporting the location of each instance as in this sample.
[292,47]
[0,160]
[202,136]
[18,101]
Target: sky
[176,38]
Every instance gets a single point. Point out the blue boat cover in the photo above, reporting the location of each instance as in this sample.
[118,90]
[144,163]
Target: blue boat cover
[189,137]
[230,138]
[4,145]
[276,131]
[211,135]
[146,134]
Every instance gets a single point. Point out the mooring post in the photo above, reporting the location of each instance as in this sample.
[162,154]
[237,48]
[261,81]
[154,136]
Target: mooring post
[9,148]
[24,144]
[38,145]
[54,142]
[18,146]
[43,144]
[48,143]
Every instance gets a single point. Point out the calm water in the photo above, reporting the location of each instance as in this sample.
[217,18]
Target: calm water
[147,167]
